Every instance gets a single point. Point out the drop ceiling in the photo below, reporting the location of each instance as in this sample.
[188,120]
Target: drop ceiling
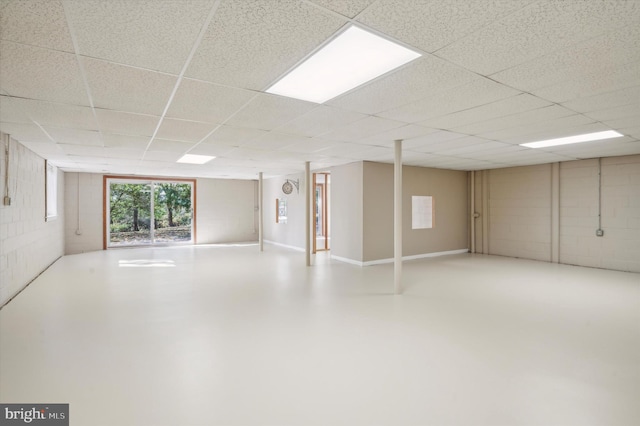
[128,87]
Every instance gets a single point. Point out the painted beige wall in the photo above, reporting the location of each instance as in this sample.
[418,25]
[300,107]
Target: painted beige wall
[289,234]
[83,212]
[345,211]
[449,191]
[28,243]
[520,212]
[226,211]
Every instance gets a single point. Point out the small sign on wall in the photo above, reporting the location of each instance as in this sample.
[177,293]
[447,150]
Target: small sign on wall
[281,210]
[421,212]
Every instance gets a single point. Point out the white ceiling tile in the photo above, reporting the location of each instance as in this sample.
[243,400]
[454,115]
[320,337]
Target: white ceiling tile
[163,32]
[480,145]
[124,123]
[170,146]
[211,103]
[321,119]
[274,140]
[24,132]
[550,25]
[529,132]
[500,108]
[624,111]
[44,149]
[69,136]
[431,138]
[36,22]
[83,150]
[387,138]
[440,147]
[430,25]
[612,99]
[309,145]
[162,156]
[413,82]
[251,44]
[473,94]
[623,123]
[349,8]
[341,149]
[366,127]
[135,143]
[234,136]
[210,149]
[128,89]
[599,149]
[592,83]
[267,112]
[20,110]
[597,56]
[35,73]
[182,130]
[534,116]
[633,132]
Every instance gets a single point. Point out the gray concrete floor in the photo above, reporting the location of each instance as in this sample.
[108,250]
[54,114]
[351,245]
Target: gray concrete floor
[219,335]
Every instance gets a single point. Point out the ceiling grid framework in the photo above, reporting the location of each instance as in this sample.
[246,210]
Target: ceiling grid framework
[129,87]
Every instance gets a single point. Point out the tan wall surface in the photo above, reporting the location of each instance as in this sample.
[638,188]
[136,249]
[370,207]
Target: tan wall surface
[449,191]
[345,211]
[290,233]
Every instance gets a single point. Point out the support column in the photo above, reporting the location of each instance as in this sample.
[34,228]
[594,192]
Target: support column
[260,213]
[397,218]
[485,212]
[473,211]
[555,212]
[307,214]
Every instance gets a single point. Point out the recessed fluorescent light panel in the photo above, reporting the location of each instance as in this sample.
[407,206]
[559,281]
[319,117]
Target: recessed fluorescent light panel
[195,159]
[352,58]
[588,137]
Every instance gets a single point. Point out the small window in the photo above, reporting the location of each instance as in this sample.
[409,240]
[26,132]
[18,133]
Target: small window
[51,190]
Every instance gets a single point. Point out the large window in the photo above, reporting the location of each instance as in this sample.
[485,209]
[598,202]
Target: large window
[143,212]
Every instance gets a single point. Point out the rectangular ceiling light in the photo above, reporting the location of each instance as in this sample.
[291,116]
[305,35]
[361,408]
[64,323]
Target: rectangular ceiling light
[195,159]
[588,137]
[352,58]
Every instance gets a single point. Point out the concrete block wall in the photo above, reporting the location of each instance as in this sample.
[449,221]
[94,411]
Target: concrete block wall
[28,243]
[619,247]
[520,212]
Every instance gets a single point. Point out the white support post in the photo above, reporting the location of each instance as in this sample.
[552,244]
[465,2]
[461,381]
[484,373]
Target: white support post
[397,218]
[260,213]
[307,234]
[473,211]
[555,212]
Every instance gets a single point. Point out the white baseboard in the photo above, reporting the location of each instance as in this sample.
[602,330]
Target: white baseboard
[391,260]
[284,245]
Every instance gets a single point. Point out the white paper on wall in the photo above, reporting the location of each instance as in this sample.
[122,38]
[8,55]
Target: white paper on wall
[421,212]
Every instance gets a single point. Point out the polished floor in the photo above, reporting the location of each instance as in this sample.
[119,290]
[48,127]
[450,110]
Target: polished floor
[226,335]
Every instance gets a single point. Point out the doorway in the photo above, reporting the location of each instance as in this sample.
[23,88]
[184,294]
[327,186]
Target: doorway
[148,212]
[321,185]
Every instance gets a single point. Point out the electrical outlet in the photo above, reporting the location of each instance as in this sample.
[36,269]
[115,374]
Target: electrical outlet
[599,232]
[7,201]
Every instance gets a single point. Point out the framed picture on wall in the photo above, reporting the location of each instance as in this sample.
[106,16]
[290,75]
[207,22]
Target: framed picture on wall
[281,210]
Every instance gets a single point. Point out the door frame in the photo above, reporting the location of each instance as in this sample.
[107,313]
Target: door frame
[325,211]
[106,196]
